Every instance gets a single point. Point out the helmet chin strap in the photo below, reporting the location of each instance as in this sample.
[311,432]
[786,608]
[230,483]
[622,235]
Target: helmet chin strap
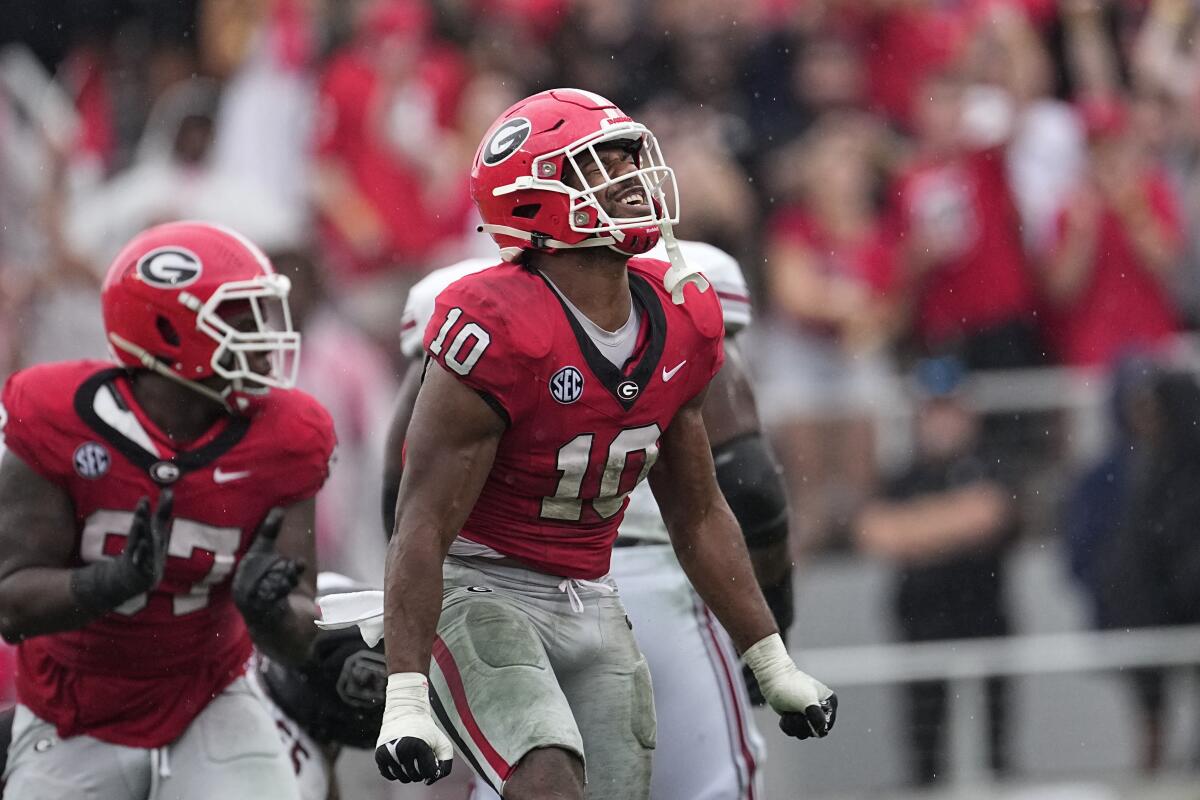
[157,365]
[680,274]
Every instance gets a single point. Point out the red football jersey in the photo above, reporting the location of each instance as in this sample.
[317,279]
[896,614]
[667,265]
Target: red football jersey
[581,432]
[138,675]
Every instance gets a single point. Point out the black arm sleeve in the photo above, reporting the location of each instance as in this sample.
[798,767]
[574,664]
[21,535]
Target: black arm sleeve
[752,484]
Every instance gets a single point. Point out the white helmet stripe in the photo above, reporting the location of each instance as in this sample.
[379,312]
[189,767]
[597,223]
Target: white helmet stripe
[595,98]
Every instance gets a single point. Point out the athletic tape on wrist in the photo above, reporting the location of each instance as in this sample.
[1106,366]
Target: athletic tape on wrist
[407,695]
[768,659]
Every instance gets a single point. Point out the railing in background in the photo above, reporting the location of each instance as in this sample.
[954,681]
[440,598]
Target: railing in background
[1081,394]
[965,664]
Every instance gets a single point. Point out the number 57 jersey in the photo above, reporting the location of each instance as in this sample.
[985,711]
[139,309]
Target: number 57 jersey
[139,674]
[581,432]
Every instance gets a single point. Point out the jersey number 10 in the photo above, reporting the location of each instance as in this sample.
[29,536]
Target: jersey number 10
[575,457]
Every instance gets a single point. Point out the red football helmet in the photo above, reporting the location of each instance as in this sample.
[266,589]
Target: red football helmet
[167,298]
[517,179]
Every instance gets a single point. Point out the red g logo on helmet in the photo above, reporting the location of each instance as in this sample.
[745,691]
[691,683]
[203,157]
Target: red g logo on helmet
[169,267]
[506,141]
[194,300]
[528,177]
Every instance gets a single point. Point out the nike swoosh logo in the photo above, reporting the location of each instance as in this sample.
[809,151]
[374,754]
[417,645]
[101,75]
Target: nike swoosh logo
[670,373]
[226,477]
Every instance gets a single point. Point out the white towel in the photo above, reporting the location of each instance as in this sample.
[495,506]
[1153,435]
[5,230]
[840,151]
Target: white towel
[364,609]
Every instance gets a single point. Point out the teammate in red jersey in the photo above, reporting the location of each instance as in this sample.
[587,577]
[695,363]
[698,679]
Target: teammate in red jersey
[559,381]
[135,625]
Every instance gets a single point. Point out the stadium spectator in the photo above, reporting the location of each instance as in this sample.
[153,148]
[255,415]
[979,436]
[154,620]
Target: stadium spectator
[173,177]
[263,131]
[1097,501]
[385,100]
[830,272]
[962,254]
[905,43]
[1118,241]
[354,382]
[1150,574]
[945,523]
[721,207]
[1009,98]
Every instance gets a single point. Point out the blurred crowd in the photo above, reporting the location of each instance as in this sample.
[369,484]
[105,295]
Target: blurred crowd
[914,187]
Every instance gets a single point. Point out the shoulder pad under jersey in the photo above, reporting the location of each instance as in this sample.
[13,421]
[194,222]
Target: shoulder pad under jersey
[418,308]
[725,275]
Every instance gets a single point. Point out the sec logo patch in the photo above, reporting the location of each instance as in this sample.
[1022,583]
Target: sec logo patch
[92,460]
[566,385]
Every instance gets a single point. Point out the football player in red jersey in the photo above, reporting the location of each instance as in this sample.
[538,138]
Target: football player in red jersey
[560,380]
[135,625]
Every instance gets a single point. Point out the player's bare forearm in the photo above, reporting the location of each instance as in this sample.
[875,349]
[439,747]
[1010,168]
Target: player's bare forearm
[393,466]
[39,600]
[713,554]
[412,599]
[289,639]
[452,443]
[37,537]
[704,532]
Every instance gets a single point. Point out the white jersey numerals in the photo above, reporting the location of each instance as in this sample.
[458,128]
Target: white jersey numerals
[189,539]
[574,458]
[471,332]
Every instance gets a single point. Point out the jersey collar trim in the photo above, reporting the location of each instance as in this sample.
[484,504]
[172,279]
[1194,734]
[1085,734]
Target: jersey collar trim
[610,376]
[134,451]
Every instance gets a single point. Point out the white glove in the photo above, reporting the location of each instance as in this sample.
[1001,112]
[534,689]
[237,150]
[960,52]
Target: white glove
[411,747]
[806,706]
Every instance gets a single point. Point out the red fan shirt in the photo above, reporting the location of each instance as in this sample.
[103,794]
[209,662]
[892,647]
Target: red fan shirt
[1123,305]
[984,279]
[140,674]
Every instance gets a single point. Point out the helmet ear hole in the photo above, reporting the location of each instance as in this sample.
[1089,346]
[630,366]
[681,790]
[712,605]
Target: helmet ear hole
[527,211]
[167,331]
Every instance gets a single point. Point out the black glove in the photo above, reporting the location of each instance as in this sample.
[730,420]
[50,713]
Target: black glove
[264,578]
[815,721]
[108,583]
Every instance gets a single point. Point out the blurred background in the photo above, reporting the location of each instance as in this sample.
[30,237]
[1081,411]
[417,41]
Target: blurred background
[972,231]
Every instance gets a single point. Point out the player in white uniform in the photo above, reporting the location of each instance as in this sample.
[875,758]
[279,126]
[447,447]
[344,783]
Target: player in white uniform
[332,701]
[708,746]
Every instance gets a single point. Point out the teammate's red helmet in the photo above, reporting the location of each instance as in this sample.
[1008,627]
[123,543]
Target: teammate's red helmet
[166,298]
[518,178]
